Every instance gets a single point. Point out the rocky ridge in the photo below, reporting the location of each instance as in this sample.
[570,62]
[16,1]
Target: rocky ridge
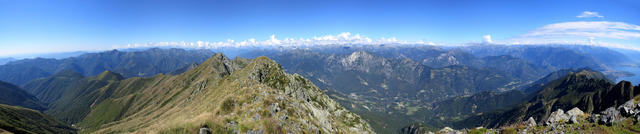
[575,120]
[226,96]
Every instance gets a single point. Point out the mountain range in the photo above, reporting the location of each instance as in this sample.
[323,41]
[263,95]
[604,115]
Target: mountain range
[394,86]
[588,90]
[383,88]
[275,102]
[130,64]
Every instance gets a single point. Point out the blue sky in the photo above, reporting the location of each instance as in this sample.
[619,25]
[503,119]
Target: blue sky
[31,26]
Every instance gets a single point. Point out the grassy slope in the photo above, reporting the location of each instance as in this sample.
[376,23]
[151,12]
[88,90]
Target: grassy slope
[218,92]
[52,88]
[22,120]
[14,95]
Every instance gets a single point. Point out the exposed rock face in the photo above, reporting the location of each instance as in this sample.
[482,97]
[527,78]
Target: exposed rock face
[557,117]
[412,129]
[575,112]
[610,116]
[594,118]
[531,122]
[447,130]
[574,115]
[324,112]
[629,108]
[577,123]
[586,89]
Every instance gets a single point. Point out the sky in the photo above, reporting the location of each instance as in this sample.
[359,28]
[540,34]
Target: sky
[33,26]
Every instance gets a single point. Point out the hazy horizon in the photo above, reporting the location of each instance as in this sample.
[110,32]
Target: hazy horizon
[32,27]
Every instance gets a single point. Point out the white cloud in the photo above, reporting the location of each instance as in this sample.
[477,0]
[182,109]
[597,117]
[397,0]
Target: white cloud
[588,14]
[597,29]
[582,32]
[486,39]
[345,38]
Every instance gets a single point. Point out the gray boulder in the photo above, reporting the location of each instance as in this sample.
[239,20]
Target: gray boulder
[609,116]
[204,130]
[628,109]
[573,119]
[448,130]
[594,118]
[531,122]
[574,115]
[557,117]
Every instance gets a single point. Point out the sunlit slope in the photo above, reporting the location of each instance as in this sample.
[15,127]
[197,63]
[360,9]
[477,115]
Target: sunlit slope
[228,95]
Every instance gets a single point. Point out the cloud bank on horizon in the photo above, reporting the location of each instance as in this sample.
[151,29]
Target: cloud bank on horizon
[34,27]
[345,38]
[598,33]
[595,33]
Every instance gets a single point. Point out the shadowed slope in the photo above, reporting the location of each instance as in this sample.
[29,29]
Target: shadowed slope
[584,89]
[129,64]
[22,120]
[14,95]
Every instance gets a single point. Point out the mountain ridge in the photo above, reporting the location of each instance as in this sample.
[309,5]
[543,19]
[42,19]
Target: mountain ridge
[581,89]
[14,95]
[130,64]
[239,95]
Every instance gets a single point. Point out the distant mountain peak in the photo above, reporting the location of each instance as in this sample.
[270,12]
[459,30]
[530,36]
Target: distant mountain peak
[109,75]
[586,73]
[358,55]
[217,63]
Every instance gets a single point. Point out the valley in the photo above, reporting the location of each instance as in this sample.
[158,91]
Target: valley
[319,67]
[387,91]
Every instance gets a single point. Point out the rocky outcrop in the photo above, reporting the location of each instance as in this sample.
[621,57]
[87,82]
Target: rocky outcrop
[413,129]
[531,122]
[231,96]
[586,89]
[574,115]
[326,113]
[557,117]
[609,116]
[448,130]
[612,115]
[629,108]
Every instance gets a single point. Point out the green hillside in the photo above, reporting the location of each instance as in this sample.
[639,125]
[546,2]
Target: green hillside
[238,95]
[128,63]
[20,120]
[14,95]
